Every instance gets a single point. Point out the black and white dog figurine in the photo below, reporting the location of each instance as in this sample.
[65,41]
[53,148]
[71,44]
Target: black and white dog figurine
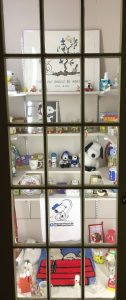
[93,151]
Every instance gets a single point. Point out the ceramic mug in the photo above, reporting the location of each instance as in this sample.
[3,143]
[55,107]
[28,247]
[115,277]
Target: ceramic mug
[35,164]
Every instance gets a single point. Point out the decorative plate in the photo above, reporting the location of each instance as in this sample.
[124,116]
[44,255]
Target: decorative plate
[31,180]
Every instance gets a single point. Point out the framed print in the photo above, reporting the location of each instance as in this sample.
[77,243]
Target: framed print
[34,111]
[53,112]
[64,216]
[96,233]
[62,74]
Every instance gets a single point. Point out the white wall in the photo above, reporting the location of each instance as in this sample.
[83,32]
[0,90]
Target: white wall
[106,16]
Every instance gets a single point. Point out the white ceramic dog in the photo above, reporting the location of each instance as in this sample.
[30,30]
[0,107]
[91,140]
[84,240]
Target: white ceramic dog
[93,151]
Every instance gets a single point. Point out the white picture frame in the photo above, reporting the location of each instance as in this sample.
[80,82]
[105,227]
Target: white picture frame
[34,111]
[62,75]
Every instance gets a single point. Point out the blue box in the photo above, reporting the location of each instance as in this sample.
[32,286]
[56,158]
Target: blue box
[104,84]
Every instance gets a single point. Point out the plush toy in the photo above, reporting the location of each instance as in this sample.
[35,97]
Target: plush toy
[30,255]
[26,263]
[25,280]
[65,161]
[93,151]
[25,283]
[75,161]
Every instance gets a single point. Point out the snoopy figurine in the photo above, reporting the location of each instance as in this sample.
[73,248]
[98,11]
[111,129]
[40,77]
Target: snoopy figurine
[77,281]
[65,161]
[93,151]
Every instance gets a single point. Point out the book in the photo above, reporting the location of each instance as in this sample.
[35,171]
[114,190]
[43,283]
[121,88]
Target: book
[109,117]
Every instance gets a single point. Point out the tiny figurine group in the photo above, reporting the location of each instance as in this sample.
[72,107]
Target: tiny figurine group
[67,160]
[109,258]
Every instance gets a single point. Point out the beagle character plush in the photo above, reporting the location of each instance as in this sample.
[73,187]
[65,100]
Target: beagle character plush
[93,151]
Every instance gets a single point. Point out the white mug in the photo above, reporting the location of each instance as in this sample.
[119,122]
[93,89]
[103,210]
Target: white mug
[35,164]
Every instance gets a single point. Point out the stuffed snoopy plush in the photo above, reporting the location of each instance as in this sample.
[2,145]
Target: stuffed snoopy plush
[93,151]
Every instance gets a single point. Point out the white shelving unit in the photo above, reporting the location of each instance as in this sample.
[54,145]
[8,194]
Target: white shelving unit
[74,98]
[17,135]
[97,209]
[75,171]
[68,171]
[62,137]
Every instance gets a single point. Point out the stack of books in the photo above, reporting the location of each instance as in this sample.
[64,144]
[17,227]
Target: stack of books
[109,117]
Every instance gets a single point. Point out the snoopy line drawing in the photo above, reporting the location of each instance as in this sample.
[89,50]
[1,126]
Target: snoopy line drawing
[62,210]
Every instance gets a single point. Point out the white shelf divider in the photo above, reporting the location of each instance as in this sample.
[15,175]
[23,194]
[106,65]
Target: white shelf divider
[108,92]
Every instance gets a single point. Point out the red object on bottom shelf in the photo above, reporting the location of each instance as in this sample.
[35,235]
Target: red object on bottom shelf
[112,282]
[63,272]
[25,284]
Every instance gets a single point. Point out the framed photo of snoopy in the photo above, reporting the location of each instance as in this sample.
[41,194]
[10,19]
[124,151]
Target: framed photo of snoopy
[53,112]
[34,111]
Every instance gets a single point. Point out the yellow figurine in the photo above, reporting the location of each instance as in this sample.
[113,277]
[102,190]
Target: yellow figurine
[99,257]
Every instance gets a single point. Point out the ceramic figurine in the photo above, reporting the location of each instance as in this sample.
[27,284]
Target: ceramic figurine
[65,161]
[74,129]
[111,261]
[41,292]
[33,89]
[53,160]
[25,282]
[112,282]
[88,87]
[77,281]
[99,257]
[75,161]
[75,181]
[59,130]
[110,236]
[111,257]
[34,289]
[49,130]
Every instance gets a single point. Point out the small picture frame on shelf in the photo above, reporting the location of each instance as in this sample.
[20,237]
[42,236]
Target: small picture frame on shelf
[53,112]
[96,234]
[34,111]
[108,117]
